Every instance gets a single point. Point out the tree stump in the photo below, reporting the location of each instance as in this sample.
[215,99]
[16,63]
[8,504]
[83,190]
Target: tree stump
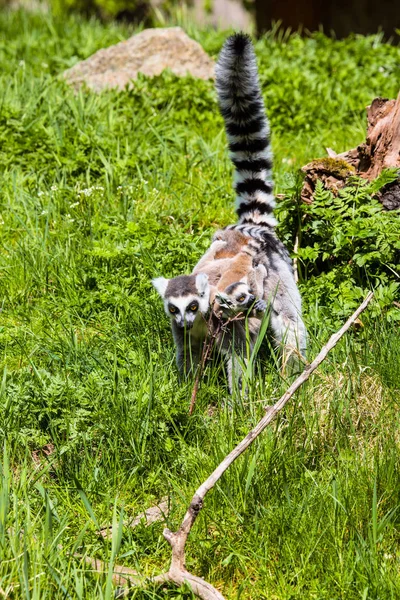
[381,150]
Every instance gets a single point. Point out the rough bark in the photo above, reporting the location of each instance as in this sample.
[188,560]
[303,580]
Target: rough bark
[380,150]
[382,146]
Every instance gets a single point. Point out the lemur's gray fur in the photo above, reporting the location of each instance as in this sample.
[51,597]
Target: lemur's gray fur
[242,107]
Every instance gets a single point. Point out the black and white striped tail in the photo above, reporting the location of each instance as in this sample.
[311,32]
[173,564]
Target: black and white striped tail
[247,128]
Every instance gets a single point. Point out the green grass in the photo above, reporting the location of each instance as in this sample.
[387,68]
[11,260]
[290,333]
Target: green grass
[100,193]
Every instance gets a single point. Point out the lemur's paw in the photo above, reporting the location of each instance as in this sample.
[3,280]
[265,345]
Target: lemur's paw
[260,306]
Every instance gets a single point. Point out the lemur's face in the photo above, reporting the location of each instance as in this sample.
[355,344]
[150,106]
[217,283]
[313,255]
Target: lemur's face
[236,298]
[186,298]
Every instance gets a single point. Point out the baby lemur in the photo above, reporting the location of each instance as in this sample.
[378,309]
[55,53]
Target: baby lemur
[187,298]
[236,284]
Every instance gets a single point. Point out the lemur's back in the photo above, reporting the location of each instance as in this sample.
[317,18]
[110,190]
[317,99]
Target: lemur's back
[229,260]
[240,250]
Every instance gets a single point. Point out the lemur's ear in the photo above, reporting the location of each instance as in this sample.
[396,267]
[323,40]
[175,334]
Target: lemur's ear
[202,283]
[218,235]
[160,283]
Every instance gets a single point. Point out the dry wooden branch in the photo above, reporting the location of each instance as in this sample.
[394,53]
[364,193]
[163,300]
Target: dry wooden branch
[177,573]
[121,575]
[159,512]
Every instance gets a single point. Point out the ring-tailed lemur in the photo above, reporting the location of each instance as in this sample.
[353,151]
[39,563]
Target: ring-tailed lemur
[225,281]
[187,297]
[247,128]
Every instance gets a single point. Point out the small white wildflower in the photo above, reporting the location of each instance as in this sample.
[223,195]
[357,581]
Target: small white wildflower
[1,221]
[74,204]
[54,188]
[40,194]
[44,212]
[87,191]
[21,63]
[99,187]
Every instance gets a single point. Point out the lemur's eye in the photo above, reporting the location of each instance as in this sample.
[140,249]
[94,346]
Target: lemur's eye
[241,298]
[193,307]
[172,309]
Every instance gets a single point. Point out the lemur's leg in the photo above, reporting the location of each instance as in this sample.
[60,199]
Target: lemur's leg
[286,324]
[187,354]
[187,360]
[209,255]
[256,280]
[290,335]
[234,372]
[236,343]
[181,350]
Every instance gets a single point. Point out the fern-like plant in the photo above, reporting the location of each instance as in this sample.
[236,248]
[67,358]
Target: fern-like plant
[344,244]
